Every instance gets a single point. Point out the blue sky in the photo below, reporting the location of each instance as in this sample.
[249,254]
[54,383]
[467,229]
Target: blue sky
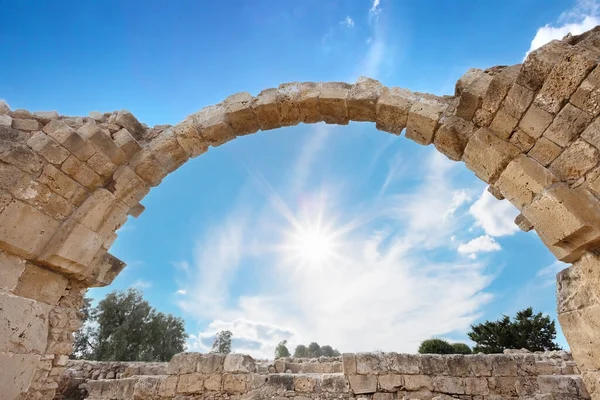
[341,235]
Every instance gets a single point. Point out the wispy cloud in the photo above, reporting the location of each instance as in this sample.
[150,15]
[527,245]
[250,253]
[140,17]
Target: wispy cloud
[348,22]
[496,217]
[141,284]
[481,244]
[584,16]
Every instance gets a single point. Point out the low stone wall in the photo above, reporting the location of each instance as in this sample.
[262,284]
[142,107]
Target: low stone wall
[79,372]
[321,365]
[377,376]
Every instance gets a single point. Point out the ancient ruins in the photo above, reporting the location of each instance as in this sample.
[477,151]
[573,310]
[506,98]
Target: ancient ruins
[531,131]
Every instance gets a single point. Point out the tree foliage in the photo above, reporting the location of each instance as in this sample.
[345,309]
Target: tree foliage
[534,332]
[124,327]
[222,343]
[281,350]
[314,350]
[435,346]
[461,348]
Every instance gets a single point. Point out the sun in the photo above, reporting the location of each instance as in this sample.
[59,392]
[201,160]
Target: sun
[314,245]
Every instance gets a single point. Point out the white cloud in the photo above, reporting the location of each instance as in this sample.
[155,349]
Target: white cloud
[481,244]
[348,22]
[496,217]
[181,292]
[584,16]
[547,276]
[141,284]
[375,9]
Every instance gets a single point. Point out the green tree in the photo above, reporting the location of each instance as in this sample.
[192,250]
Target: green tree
[222,343]
[329,351]
[301,351]
[281,350]
[124,327]
[534,332]
[461,348]
[314,350]
[435,346]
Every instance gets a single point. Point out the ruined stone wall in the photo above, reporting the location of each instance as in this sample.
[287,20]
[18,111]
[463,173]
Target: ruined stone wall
[531,131]
[380,376]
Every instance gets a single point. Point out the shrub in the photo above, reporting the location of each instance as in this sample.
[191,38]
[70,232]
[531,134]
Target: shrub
[435,346]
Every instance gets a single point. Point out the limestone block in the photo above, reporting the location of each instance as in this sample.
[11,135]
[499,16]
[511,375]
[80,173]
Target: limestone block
[11,268]
[458,365]
[240,115]
[591,380]
[192,383]
[539,63]
[535,121]
[213,382]
[476,386]
[23,325]
[266,109]
[212,124]
[97,116]
[402,363]
[334,383]
[168,386]
[100,164]
[560,384]
[472,95]
[126,119]
[102,212]
[103,270]
[13,150]
[522,140]
[517,100]
[147,167]
[58,182]
[81,173]
[487,155]
[24,230]
[418,382]
[41,197]
[433,364]
[126,142]
[80,195]
[127,186]
[167,150]
[41,284]
[587,96]
[5,120]
[589,267]
[10,176]
[147,387]
[234,383]
[349,363]
[281,381]
[363,384]
[4,108]
[73,247]
[575,161]
[592,133]
[564,79]
[574,291]
[523,179]
[499,87]
[308,102]
[287,98]
[567,125]
[48,148]
[567,218]
[362,99]
[503,385]
[45,116]
[545,151]
[304,383]
[523,223]
[449,384]
[69,139]
[503,365]
[183,363]
[581,330]
[190,139]
[137,210]
[16,373]
[211,363]
[25,124]
[465,80]
[423,119]
[392,109]
[390,383]
[332,102]
[370,363]
[102,141]
[239,363]
[503,124]
[384,396]
[452,137]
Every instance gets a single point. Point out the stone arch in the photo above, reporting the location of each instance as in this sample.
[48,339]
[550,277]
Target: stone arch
[530,131]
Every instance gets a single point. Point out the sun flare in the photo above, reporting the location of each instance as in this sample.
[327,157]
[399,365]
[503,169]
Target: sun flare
[313,245]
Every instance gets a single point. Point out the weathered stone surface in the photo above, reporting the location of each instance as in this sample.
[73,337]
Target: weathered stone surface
[304,383]
[392,109]
[239,363]
[535,121]
[539,63]
[522,140]
[423,119]
[581,327]
[332,102]
[5,120]
[25,124]
[362,99]
[167,150]
[452,137]
[517,101]
[235,383]
[472,94]
[58,182]
[24,230]
[16,372]
[503,124]
[523,223]
[587,96]
[288,100]
[100,164]
[390,383]
[192,383]
[183,363]
[81,173]
[69,139]
[11,268]
[102,141]
[523,179]
[240,115]
[41,284]
[363,384]
[266,109]
[128,187]
[575,161]
[567,125]
[418,382]
[147,167]
[48,148]
[487,155]
[545,151]
[126,119]
[499,88]
[211,123]
[23,325]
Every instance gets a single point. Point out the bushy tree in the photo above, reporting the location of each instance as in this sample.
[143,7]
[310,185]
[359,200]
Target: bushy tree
[314,350]
[301,351]
[328,351]
[124,327]
[222,343]
[281,350]
[461,348]
[435,346]
[534,332]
